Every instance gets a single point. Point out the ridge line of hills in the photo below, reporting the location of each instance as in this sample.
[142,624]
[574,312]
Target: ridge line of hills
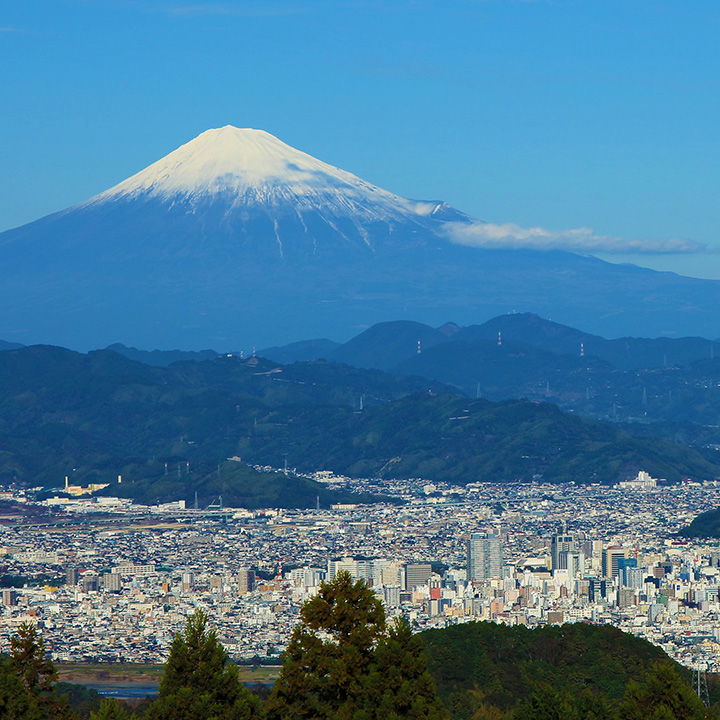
[106,415]
[661,387]
[236,231]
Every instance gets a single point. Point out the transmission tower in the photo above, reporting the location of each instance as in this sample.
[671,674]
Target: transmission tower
[700,683]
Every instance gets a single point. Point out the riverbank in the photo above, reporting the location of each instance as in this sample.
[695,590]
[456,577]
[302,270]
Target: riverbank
[97,675]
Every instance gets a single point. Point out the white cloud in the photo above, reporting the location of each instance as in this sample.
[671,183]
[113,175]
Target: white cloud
[510,235]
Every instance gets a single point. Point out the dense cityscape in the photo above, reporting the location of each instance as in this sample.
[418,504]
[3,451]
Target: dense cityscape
[518,554]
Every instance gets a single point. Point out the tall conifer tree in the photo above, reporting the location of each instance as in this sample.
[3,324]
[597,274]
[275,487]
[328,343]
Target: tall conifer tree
[343,664]
[199,682]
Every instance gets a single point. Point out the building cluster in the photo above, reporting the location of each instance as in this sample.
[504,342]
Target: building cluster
[113,581]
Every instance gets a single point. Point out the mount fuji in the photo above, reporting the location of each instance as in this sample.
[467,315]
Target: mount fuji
[236,239]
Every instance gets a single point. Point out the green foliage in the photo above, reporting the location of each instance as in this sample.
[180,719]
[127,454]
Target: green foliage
[237,483]
[399,684]
[705,525]
[458,440]
[26,681]
[484,670]
[27,659]
[15,702]
[199,683]
[342,663]
[110,709]
[104,415]
[81,700]
[661,696]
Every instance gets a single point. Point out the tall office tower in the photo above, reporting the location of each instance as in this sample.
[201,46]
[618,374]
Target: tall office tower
[417,574]
[365,569]
[392,595]
[624,564]
[71,576]
[563,544]
[575,562]
[9,597]
[610,557]
[112,582]
[188,580]
[90,583]
[336,565]
[484,556]
[246,581]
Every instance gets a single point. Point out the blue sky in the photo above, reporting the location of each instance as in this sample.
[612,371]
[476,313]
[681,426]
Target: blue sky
[593,121]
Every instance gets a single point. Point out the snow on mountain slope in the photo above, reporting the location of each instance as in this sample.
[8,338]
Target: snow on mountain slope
[236,237]
[245,167]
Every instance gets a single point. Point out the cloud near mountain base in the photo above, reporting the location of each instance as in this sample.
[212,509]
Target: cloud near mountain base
[510,235]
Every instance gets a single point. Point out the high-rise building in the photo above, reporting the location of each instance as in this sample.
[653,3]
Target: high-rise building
[484,556]
[9,597]
[562,544]
[90,583]
[336,565]
[610,557]
[71,576]
[392,595]
[112,582]
[246,581]
[417,574]
[188,580]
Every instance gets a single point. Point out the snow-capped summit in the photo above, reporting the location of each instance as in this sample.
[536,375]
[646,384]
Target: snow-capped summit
[243,166]
[237,239]
[230,159]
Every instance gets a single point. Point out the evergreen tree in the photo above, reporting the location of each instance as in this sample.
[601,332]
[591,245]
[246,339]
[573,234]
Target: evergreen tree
[400,685]
[546,703]
[329,653]
[15,701]
[27,659]
[199,683]
[110,709]
[26,680]
[662,696]
[343,664]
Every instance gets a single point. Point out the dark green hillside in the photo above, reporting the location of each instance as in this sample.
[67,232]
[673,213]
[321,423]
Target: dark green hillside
[238,484]
[512,369]
[98,415]
[458,440]
[385,344]
[161,358]
[625,353]
[705,525]
[492,671]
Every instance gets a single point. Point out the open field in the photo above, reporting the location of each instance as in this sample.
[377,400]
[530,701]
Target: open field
[141,674]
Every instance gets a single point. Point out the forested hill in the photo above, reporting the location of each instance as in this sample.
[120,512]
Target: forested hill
[485,670]
[705,525]
[454,439]
[100,415]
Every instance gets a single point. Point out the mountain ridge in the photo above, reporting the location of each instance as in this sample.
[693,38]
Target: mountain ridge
[178,257]
[102,415]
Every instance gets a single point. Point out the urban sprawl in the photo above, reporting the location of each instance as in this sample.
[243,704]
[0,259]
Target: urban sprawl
[515,554]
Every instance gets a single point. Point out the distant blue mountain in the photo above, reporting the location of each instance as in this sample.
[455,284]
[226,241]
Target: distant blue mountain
[237,240]
[407,347]
[162,358]
[9,345]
